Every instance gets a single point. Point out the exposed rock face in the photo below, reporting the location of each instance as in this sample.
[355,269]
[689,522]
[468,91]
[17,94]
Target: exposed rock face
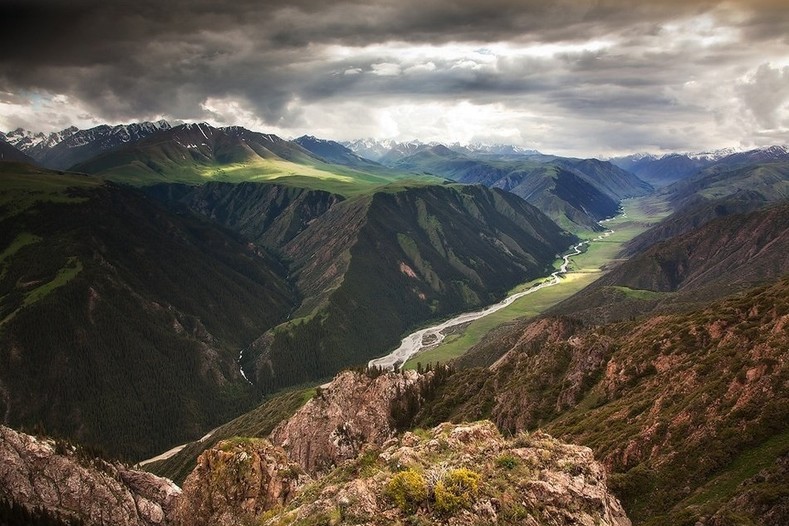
[352,411]
[236,481]
[532,479]
[40,473]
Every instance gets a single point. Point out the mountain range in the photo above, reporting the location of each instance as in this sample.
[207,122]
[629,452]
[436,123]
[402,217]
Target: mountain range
[159,284]
[669,168]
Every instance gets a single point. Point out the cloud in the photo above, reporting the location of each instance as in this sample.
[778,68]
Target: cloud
[765,94]
[385,69]
[576,67]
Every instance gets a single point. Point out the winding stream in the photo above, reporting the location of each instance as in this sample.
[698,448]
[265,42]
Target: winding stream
[433,336]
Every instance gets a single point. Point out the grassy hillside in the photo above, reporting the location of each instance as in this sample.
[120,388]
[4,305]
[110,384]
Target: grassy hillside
[199,153]
[120,322]
[768,181]
[24,185]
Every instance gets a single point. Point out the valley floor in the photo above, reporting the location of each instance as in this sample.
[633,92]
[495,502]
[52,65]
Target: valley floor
[638,215]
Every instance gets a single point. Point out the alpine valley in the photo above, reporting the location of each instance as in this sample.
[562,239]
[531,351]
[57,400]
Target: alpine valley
[187,313]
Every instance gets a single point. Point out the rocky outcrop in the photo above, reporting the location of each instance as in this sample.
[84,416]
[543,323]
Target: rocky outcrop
[462,475]
[69,484]
[236,481]
[353,410]
[337,461]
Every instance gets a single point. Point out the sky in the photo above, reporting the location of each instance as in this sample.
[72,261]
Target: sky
[572,77]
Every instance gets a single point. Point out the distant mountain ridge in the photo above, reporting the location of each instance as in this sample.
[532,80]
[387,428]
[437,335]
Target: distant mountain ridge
[576,193]
[334,152]
[63,149]
[387,151]
[661,170]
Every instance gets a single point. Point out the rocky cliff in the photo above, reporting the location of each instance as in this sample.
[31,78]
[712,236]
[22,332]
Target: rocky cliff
[354,410]
[69,484]
[463,474]
[236,481]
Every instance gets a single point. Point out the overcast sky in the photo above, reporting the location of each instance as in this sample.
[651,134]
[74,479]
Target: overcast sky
[580,77]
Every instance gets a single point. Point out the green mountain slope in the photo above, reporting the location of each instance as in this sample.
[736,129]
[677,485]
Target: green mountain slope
[724,255]
[268,214]
[375,266]
[693,215]
[735,251]
[198,153]
[769,181]
[574,193]
[120,322]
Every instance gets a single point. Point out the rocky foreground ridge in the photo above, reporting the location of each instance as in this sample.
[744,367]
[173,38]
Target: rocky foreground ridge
[73,485]
[336,461]
[453,474]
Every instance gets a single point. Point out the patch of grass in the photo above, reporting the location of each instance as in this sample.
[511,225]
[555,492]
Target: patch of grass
[233,442]
[506,461]
[64,275]
[639,294]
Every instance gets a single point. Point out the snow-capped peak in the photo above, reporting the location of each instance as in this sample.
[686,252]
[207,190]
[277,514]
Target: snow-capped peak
[713,155]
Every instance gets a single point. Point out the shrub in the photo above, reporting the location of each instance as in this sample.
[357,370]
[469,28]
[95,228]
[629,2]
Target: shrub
[457,490]
[407,489]
[506,461]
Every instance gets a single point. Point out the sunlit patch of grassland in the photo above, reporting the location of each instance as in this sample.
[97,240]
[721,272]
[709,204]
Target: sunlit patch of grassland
[64,275]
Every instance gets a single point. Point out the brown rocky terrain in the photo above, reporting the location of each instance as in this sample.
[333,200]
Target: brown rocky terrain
[70,484]
[238,480]
[454,474]
[353,411]
[682,409]
[463,474]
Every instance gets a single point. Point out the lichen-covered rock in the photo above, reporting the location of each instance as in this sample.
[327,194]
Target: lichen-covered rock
[38,472]
[462,475]
[352,411]
[236,481]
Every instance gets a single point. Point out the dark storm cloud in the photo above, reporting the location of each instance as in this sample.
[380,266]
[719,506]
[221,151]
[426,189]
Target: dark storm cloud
[128,60]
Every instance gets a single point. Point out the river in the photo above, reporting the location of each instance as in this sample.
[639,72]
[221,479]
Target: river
[433,336]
